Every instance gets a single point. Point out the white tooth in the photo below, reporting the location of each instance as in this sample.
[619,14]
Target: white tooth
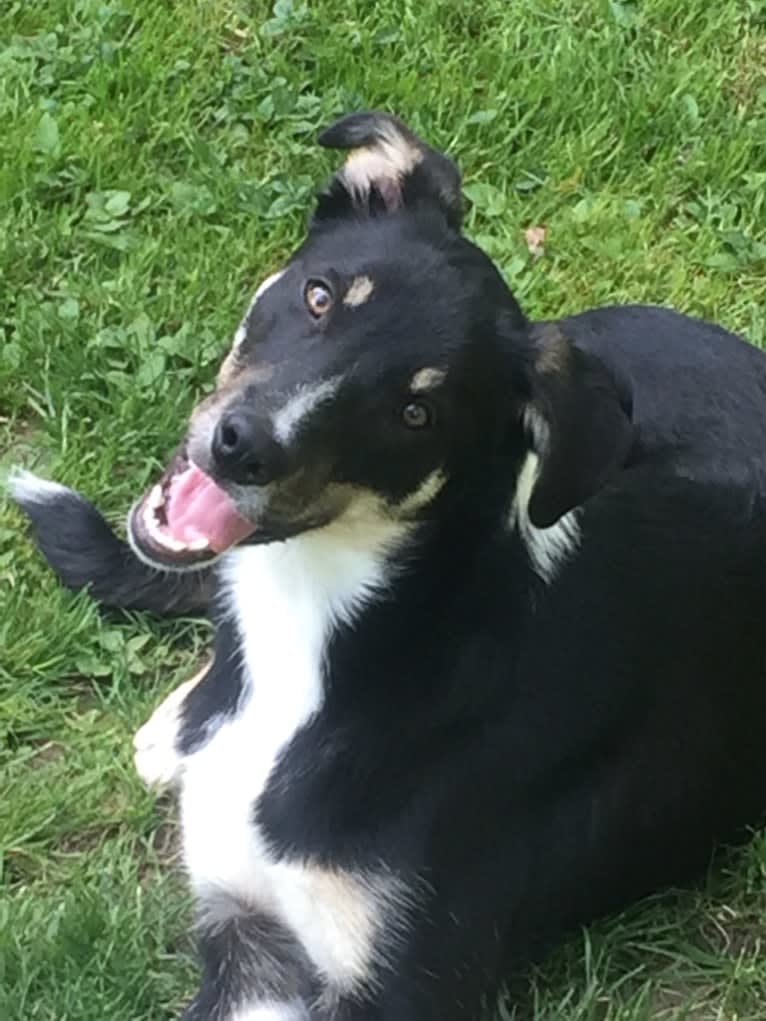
[174,544]
[153,526]
[165,540]
[156,499]
[198,544]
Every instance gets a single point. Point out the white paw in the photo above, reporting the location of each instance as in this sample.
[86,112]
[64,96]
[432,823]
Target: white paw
[157,761]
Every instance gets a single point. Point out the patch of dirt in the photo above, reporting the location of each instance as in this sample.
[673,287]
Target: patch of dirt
[19,441]
[692,1004]
[747,79]
[735,933]
[87,839]
[164,844]
[51,751]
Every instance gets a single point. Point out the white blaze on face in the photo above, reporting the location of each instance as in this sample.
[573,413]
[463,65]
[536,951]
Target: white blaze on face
[300,405]
[270,280]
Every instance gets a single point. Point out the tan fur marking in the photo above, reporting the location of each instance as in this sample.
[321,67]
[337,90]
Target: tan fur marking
[350,924]
[553,355]
[207,407]
[427,491]
[427,378]
[228,369]
[359,292]
[383,165]
[349,910]
[233,369]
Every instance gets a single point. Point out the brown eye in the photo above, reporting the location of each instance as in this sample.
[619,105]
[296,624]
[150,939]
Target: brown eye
[318,297]
[416,415]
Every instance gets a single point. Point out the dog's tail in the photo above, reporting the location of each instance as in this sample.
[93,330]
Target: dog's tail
[85,552]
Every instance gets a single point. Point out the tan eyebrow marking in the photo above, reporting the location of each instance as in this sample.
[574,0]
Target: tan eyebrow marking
[554,354]
[427,379]
[360,290]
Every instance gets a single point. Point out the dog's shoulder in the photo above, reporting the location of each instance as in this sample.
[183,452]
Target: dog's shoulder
[698,390]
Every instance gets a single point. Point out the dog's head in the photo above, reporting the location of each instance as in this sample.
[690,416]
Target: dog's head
[386,366]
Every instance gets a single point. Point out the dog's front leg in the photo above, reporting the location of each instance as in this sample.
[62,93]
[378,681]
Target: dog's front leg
[253,969]
[157,756]
[449,967]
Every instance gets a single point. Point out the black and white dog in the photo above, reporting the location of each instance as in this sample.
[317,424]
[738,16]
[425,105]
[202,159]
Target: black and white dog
[490,656]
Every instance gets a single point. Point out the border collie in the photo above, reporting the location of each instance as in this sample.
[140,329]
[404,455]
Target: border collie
[489,657]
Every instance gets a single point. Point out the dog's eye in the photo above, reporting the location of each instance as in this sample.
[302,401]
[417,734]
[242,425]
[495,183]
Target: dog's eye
[416,415]
[318,297]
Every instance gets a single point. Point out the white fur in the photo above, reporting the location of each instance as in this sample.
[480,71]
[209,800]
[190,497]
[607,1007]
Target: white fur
[270,280]
[345,921]
[25,487]
[388,159]
[359,292]
[155,757]
[537,427]
[427,379]
[264,285]
[300,405]
[271,1011]
[550,547]
[157,760]
[287,598]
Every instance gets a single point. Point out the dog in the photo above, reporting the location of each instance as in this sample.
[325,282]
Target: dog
[489,658]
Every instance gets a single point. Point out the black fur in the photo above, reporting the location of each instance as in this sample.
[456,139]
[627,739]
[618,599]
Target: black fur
[587,430]
[217,695]
[244,955]
[533,746]
[434,181]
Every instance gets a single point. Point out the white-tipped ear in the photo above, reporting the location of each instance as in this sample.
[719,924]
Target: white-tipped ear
[383,165]
[388,167]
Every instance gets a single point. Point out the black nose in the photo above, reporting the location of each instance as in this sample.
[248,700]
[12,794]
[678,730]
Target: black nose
[244,450]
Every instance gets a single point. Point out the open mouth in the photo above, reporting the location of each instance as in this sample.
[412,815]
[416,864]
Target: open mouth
[186,519]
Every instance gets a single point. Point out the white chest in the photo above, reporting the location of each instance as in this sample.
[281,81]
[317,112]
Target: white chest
[286,599]
[283,627]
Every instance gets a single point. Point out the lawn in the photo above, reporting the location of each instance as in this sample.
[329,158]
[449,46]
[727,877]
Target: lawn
[156,161]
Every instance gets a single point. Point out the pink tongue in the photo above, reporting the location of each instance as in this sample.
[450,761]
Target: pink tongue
[197,508]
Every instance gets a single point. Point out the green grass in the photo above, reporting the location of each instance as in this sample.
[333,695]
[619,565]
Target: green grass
[156,161]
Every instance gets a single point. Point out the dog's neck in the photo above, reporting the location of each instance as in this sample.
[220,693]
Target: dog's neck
[359,629]
[357,587]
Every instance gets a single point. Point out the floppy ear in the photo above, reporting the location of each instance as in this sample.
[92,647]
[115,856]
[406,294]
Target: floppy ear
[388,168]
[578,422]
